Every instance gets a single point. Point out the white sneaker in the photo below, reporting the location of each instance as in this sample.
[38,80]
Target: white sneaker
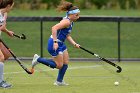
[34,61]
[4,84]
[57,83]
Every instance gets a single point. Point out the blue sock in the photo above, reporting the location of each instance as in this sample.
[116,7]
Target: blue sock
[47,62]
[62,73]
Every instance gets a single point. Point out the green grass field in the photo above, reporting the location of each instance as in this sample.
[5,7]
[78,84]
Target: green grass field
[83,77]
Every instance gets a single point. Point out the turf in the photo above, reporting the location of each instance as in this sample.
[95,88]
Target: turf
[83,77]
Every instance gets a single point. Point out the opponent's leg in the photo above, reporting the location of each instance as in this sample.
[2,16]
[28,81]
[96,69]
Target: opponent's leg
[3,83]
[1,64]
[1,71]
[5,52]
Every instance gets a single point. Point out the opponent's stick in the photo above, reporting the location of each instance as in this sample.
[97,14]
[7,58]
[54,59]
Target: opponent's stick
[105,60]
[19,62]
[21,37]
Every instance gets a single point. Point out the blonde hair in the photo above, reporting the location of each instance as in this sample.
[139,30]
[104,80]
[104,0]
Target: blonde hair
[66,6]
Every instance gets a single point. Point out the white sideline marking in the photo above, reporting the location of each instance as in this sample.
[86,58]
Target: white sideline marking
[70,68]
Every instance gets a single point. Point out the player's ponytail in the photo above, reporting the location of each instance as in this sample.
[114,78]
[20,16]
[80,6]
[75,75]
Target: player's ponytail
[4,3]
[66,6]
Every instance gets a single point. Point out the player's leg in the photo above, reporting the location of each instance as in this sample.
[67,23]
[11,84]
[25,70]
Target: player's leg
[5,52]
[61,73]
[1,66]
[48,62]
[56,62]
[3,83]
[64,67]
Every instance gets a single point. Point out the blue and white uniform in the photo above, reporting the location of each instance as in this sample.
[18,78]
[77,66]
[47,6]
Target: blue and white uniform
[61,37]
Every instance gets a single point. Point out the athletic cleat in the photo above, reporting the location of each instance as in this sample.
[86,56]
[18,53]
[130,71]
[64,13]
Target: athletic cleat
[4,84]
[57,83]
[34,61]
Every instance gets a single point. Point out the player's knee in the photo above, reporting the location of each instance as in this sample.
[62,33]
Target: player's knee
[59,66]
[6,57]
[66,62]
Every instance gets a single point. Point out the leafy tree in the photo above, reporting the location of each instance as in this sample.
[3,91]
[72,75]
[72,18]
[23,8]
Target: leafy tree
[99,3]
[51,3]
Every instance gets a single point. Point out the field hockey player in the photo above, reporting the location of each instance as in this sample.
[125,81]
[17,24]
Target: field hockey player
[5,7]
[56,45]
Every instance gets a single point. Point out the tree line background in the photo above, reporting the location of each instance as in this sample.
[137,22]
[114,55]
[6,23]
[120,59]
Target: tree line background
[82,4]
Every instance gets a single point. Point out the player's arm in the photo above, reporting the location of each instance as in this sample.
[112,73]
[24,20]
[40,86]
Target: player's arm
[63,24]
[70,39]
[3,27]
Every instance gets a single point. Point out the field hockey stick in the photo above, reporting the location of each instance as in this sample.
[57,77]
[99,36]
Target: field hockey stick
[21,37]
[19,61]
[105,60]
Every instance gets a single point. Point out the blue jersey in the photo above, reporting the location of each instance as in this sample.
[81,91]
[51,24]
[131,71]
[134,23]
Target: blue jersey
[61,36]
[62,33]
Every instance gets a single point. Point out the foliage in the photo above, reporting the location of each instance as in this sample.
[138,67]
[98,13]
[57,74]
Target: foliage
[99,3]
[51,3]
[125,4]
[84,4]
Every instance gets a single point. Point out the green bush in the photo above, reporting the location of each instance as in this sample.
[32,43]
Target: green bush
[80,3]
[83,4]
[22,1]
[99,3]
[51,3]
[131,4]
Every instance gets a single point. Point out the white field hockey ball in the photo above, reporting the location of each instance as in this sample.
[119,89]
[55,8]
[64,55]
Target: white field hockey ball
[116,83]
